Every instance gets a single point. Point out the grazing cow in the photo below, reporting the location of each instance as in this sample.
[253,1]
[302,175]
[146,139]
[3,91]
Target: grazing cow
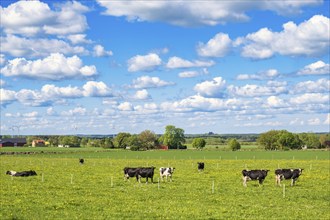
[287,174]
[200,166]
[166,171]
[130,172]
[81,161]
[254,175]
[145,172]
[22,173]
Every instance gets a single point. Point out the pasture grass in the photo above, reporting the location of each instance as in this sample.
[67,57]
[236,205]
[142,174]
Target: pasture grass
[64,189]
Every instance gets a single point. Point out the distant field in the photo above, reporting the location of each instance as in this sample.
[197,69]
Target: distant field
[64,189]
[170,154]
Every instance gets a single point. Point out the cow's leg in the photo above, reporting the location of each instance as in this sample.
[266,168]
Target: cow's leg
[278,180]
[293,181]
[171,178]
[261,181]
[244,181]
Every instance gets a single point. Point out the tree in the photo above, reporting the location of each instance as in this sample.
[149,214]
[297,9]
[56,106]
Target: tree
[72,141]
[288,140]
[198,143]
[84,141]
[134,142]
[234,144]
[268,140]
[310,140]
[148,139]
[324,139]
[121,140]
[173,137]
[108,143]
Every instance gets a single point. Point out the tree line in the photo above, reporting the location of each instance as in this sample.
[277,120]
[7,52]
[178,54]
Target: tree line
[174,138]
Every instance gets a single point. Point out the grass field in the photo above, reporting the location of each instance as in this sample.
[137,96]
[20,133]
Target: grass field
[64,189]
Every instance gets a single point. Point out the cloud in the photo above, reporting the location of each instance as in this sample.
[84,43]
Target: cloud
[177,62]
[309,38]
[99,51]
[310,98]
[219,46]
[78,39]
[2,59]
[319,86]
[31,114]
[54,92]
[79,111]
[314,121]
[317,68]
[30,47]
[275,102]
[272,88]
[189,74]
[31,18]
[96,89]
[200,103]
[327,119]
[7,96]
[142,95]
[125,106]
[190,13]
[50,94]
[213,88]
[145,82]
[266,75]
[54,67]
[147,62]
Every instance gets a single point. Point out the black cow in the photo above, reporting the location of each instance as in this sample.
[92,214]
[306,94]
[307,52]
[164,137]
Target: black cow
[81,161]
[22,173]
[145,172]
[130,172]
[254,175]
[287,174]
[200,166]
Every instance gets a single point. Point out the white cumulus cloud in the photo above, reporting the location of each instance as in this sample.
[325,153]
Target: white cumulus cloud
[54,67]
[34,17]
[213,88]
[193,13]
[309,38]
[147,62]
[37,47]
[145,82]
[99,51]
[142,94]
[177,62]
[317,68]
[219,46]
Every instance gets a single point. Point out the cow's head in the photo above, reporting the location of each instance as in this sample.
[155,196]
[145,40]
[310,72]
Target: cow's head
[265,172]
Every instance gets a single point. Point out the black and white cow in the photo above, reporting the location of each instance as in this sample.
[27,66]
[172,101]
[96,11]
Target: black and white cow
[259,175]
[22,173]
[200,166]
[130,172]
[287,174]
[81,161]
[167,172]
[145,172]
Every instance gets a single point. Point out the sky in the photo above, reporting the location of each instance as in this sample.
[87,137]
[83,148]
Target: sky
[104,67]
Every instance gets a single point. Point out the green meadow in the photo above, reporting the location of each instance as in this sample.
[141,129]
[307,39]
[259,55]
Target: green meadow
[64,189]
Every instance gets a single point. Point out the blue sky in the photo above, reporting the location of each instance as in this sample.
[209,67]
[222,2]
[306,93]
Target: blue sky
[103,67]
